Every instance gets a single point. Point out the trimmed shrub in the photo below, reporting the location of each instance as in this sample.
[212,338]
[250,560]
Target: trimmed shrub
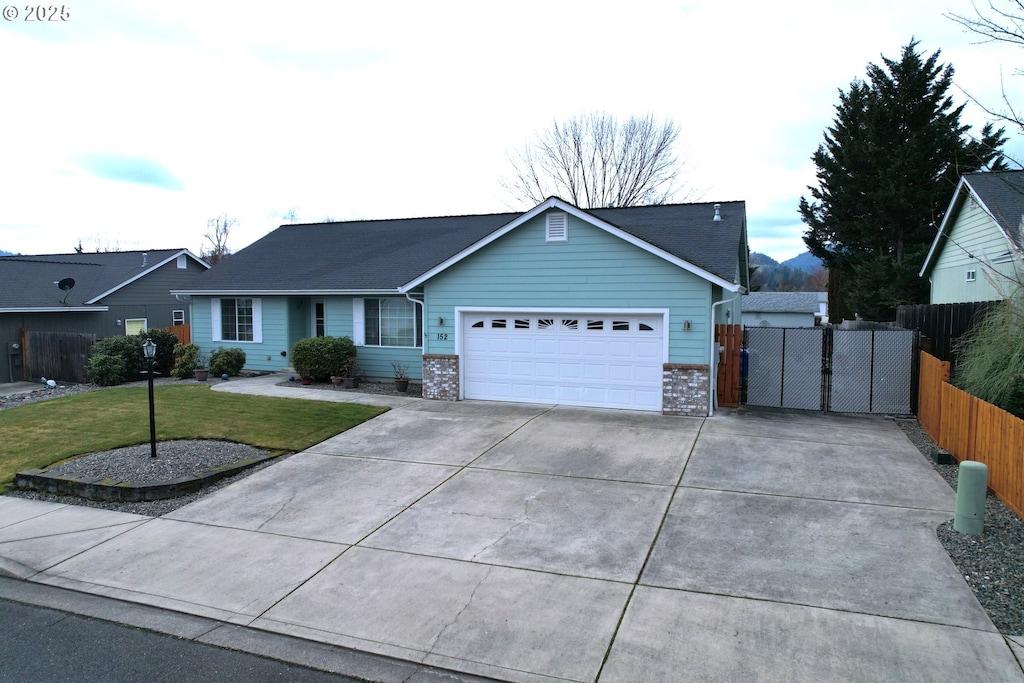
[186,359]
[165,343]
[107,370]
[115,360]
[322,357]
[227,361]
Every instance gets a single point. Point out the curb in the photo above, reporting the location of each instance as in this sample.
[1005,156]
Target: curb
[107,489]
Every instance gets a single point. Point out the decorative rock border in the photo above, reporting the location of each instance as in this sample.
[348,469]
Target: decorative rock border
[107,489]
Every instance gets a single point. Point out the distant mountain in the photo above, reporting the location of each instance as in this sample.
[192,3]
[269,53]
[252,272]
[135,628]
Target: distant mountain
[6,253]
[805,262]
[803,273]
[759,259]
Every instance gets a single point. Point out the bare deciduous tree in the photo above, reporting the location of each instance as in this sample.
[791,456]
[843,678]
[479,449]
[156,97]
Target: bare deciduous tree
[597,161]
[1002,22]
[217,230]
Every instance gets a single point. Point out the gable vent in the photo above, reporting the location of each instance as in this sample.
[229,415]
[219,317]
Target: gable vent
[558,227]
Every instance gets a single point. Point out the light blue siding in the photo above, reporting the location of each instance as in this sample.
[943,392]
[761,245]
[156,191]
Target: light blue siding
[287,319]
[258,356]
[592,270]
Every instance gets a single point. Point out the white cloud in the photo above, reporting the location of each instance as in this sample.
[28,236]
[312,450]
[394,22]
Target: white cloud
[394,109]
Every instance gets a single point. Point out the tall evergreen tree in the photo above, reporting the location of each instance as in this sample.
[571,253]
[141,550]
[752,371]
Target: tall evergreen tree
[886,172]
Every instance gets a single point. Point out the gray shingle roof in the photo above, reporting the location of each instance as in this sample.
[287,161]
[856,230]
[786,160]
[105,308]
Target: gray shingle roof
[1003,193]
[781,302]
[30,281]
[383,255]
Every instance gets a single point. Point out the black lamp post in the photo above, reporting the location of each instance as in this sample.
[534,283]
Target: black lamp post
[149,349]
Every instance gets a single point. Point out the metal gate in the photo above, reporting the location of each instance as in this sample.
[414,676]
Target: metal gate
[822,368]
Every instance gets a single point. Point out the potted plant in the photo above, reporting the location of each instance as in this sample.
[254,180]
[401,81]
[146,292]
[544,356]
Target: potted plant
[349,373]
[401,376]
[202,371]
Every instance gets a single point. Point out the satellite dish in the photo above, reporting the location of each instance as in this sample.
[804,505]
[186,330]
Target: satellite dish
[65,286]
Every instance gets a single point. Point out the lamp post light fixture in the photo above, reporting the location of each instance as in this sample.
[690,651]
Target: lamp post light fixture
[149,350]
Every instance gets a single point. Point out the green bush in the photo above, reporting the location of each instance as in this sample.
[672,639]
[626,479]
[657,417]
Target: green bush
[107,370]
[114,360]
[322,357]
[165,343]
[227,361]
[186,359]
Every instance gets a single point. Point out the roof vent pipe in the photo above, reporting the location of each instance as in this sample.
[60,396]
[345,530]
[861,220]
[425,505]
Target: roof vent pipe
[145,255]
[718,212]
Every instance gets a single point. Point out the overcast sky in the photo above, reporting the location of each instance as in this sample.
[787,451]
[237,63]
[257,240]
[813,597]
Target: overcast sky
[130,124]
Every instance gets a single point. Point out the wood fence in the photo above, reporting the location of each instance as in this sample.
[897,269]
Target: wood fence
[972,429]
[182,332]
[59,356]
[730,338]
[941,324]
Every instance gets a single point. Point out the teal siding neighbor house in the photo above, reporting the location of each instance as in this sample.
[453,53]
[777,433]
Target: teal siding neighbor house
[602,307]
[976,254]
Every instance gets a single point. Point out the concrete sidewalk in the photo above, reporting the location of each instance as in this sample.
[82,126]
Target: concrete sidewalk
[539,543]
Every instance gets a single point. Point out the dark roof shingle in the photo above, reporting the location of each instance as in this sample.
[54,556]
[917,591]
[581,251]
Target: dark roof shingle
[381,255]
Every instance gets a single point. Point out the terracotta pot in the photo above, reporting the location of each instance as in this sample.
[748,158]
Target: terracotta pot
[307,380]
[336,380]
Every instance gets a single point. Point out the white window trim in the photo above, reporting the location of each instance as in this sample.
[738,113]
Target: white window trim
[257,321]
[144,321]
[182,262]
[972,275]
[358,322]
[359,325]
[312,315]
[174,317]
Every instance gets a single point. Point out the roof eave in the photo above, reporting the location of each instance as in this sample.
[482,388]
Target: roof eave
[285,292]
[55,309]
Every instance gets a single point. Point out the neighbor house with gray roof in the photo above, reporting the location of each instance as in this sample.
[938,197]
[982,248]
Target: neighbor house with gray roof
[978,249]
[784,309]
[102,294]
[600,307]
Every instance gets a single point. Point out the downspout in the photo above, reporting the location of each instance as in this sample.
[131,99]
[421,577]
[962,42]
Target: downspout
[712,356]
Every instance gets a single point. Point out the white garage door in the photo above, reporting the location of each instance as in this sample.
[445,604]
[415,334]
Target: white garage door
[586,359]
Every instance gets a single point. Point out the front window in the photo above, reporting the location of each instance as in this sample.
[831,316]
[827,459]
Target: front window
[236,319]
[393,322]
[319,327]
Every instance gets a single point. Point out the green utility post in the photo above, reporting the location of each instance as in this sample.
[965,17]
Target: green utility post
[971,487]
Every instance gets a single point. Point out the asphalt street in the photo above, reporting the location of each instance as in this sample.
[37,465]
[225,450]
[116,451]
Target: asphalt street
[45,645]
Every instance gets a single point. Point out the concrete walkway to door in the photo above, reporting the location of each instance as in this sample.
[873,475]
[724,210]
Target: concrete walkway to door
[540,543]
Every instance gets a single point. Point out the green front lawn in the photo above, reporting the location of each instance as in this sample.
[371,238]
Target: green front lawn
[42,434]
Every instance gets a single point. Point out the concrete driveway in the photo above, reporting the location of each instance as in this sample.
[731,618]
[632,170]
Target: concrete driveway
[538,543]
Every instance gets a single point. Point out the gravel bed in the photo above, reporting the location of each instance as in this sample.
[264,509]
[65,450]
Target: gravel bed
[153,508]
[992,563]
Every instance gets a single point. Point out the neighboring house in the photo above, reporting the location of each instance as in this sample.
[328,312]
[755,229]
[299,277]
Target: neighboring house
[104,294]
[600,307]
[784,309]
[973,255]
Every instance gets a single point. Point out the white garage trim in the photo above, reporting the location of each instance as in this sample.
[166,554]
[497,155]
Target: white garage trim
[608,358]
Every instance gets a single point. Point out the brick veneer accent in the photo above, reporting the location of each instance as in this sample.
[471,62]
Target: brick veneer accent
[684,390]
[440,377]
